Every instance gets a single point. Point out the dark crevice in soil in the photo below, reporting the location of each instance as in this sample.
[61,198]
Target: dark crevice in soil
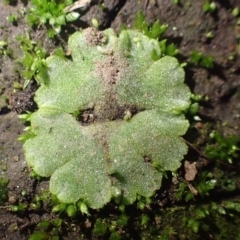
[22,101]
[228,4]
[112,13]
[4,110]
[219,71]
[89,116]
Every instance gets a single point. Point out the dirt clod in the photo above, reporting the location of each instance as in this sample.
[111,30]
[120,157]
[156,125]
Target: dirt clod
[21,101]
[191,170]
[94,37]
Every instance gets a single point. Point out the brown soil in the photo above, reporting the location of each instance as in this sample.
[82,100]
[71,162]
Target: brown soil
[188,25]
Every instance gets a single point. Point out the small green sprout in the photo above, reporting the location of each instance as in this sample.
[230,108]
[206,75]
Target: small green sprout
[155,31]
[232,206]
[51,13]
[218,208]
[33,174]
[168,49]
[115,236]
[95,22]
[183,192]
[176,2]
[12,18]
[209,35]
[3,47]
[5,50]
[166,233]
[33,61]
[26,117]
[236,11]
[225,149]
[21,207]
[122,220]
[3,44]
[10,2]
[26,136]
[17,85]
[199,59]
[35,206]
[197,97]
[4,167]
[201,212]
[100,227]
[142,202]
[47,230]
[203,184]
[71,210]
[83,207]
[193,224]
[23,193]
[3,190]
[209,6]
[204,187]
[37,202]
[232,56]
[193,110]
[122,208]
[228,185]
[59,208]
